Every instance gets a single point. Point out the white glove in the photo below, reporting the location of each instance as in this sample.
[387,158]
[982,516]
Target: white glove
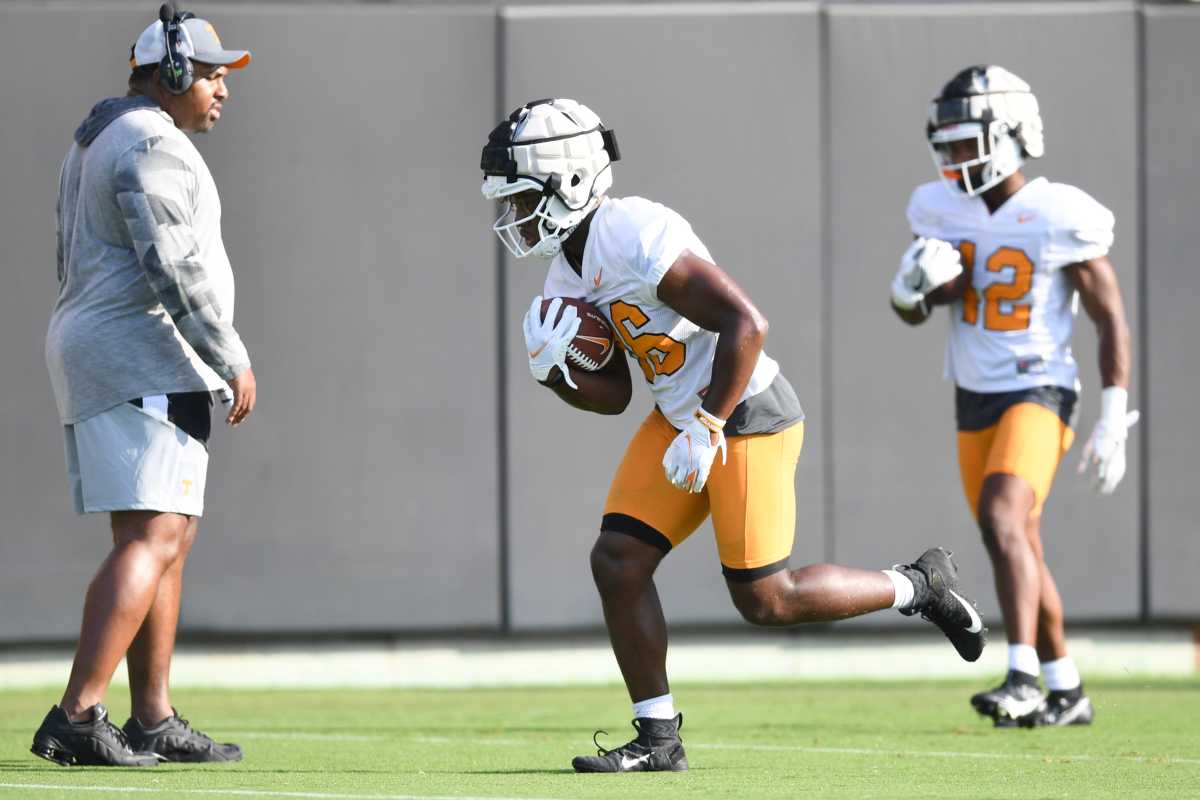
[689,457]
[547,342]
[925,265]
[1105,448]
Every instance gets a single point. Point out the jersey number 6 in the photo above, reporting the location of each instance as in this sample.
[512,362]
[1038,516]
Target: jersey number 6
[657,353]
[995,318]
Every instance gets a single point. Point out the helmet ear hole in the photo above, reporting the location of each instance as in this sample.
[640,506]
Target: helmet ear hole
[576,180]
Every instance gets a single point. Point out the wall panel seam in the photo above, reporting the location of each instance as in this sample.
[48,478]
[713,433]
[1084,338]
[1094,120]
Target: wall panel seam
[503,485]
[1143,326]
[825,182]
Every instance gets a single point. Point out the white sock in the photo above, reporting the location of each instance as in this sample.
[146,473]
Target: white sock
[1061,674]
[904,589]
[655,708]
[1023,658]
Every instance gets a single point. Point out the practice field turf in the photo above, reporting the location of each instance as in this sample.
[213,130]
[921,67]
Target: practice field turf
[803,740]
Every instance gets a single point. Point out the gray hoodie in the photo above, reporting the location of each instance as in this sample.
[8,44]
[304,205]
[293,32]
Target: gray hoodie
[145,289]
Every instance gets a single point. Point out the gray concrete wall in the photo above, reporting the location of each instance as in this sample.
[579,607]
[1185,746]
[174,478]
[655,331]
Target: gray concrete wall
[895,478]
[692,134]
[1172,289]
[364,493]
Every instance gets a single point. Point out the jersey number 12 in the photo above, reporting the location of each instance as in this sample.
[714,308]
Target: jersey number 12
[995,317]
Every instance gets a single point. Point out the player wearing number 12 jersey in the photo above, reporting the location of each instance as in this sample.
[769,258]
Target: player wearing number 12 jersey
[724,436]
[1010,256]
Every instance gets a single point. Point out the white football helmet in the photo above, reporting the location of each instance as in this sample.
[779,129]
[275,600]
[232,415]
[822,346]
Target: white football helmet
[995,108]
[558,148]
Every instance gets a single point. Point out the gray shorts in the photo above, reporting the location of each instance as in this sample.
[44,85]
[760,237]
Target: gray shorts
[128,458]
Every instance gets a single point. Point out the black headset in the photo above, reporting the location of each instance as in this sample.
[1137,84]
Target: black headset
[175,69]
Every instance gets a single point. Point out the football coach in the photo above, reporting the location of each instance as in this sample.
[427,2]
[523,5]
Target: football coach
[140,339]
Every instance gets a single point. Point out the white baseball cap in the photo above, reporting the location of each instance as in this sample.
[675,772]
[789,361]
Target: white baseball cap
[198,41]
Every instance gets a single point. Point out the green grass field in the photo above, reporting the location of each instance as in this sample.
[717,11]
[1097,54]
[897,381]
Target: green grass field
[810,740]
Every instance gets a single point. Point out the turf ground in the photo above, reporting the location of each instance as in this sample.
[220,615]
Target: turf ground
[836,740]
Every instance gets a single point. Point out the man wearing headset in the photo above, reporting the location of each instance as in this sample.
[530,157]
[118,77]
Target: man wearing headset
[140,338]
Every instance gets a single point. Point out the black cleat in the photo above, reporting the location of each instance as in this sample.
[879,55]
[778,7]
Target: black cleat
[1071,707]
[938,599]
[1016,702]
[174,739]
[657,748]
[94,742]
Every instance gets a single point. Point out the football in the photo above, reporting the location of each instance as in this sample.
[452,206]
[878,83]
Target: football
[593,345]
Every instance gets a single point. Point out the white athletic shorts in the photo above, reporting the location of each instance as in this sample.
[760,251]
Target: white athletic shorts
[129,458]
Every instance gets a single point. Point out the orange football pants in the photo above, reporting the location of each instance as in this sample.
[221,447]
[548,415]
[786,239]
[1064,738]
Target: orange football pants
[1029,441]
[752,497]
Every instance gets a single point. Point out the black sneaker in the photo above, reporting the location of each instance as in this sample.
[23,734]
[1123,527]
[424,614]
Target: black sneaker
[1015,702]
[174,739]
[1071,707]
[94,742]
[657,748]
[938,599]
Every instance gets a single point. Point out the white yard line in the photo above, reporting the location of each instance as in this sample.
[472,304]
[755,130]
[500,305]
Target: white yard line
[302,737]
[247,792]
[873,751]
[853,751]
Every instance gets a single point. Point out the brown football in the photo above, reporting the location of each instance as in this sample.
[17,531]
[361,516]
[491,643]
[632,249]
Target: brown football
[593,345]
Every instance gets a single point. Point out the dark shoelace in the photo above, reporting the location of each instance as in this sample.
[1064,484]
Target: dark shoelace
[117,734]
[603,751]
[600,750]
[201,735]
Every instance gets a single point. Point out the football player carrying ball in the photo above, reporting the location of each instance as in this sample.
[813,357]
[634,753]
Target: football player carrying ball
[724,436]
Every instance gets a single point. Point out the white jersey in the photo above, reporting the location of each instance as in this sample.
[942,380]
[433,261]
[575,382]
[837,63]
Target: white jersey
[1012,328]
[631,244]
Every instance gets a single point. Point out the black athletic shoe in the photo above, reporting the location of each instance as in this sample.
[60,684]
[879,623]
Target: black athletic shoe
[1071,707]
[94,742]
[1015,702]
[657,748]
[174,739]
[938,599]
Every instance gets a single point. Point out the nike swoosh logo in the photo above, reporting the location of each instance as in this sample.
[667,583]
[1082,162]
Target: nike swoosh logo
[1079,710]
[627,762]
[1019,708]
[976,622]
[1023,218]
[596,280]
[604,343]
[534,354]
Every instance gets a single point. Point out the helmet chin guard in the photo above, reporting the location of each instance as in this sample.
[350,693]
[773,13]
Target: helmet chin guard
[559,149]
[997,150]
[554,221]
[995,109]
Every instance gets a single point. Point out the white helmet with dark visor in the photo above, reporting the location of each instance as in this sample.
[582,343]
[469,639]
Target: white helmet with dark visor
[997,110]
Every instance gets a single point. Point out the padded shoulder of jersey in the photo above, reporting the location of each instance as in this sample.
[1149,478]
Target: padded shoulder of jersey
[932,206]
[1079,227]
[1072,209]
[648,235]
[633,213]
